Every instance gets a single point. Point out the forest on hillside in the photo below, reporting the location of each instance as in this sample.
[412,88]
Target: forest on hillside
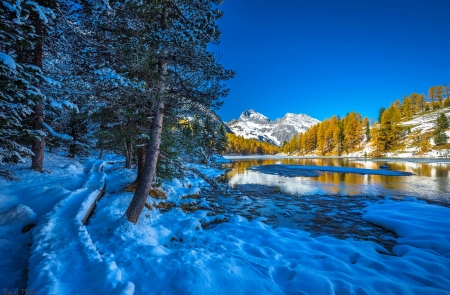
[336,136]
[238,145]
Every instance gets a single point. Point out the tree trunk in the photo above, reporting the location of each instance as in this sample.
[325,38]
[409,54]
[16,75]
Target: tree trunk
[149,169]
[37,160]
[141,154]
[73,145]
[128,153]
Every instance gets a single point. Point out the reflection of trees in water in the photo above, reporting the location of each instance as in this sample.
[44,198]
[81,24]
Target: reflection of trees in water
[336,180]
[442,170]
[351,179]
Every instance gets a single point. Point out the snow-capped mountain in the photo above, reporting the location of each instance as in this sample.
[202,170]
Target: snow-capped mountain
[252,124]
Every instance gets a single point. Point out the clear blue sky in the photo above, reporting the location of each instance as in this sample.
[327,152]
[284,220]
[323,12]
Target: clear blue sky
[325,58]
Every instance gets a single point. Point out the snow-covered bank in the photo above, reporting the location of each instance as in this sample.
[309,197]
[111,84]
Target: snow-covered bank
[411,220]
[314,171]
[14,245]
[171,253]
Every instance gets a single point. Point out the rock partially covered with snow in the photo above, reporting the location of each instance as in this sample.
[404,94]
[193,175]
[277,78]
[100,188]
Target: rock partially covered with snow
[16,218]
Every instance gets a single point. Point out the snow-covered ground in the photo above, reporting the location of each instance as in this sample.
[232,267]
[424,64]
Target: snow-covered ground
[425,123]
[25,203]
[178,252]
[171,253]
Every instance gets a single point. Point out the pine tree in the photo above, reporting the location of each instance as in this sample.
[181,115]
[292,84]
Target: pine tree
[447,102]
[329,134]
[441,125]
[300,143]
[378,140]
[408,106]
[440,94]
[367,126]
[222,140]
[183,60]
[447,91]
[19,78]
[389,128]
[421,103]
[380,114]
[432,94]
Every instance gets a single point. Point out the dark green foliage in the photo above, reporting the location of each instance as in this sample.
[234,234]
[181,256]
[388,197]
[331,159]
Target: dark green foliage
[441,124]
[19,79]
[380,114]
[447,102]
[368,137]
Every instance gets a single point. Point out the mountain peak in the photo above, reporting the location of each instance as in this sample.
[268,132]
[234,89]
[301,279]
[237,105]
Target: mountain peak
[252,115]
[252,124]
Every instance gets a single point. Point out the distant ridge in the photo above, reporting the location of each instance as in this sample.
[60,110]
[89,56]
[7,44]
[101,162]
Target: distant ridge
[252,124]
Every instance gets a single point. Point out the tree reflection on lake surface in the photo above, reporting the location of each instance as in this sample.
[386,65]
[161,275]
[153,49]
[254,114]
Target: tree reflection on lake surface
[430,180]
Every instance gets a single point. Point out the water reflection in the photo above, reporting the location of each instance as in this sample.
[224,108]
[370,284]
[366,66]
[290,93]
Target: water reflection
[431,179]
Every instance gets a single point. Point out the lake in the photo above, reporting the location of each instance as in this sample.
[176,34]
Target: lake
[431,179]
[331,203]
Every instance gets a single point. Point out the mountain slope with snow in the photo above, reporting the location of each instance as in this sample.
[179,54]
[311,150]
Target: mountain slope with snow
[252,124]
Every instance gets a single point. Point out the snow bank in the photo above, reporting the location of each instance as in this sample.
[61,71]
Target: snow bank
[64,260]
[207,171]
[417,223]
[28,200]
[177,189]
[171,253]
[40,191]
[219,159]
[13,245]
[315,171]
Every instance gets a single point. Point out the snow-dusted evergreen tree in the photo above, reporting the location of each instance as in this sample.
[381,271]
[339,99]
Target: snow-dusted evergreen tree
[19,77]
[181,67]
[441,124]
[71,96]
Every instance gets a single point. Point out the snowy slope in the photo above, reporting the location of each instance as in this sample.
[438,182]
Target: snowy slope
[425,122]
[252,124]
